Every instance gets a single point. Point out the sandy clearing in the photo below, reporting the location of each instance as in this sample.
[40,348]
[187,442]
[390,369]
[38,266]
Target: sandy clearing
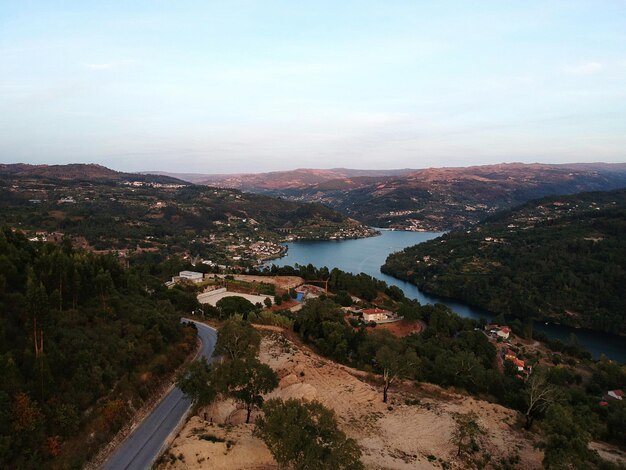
[240,449]
[393,436]
[214,299]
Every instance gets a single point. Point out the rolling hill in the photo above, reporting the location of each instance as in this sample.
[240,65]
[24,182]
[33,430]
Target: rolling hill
[79,171]
[559,258]
[106,210]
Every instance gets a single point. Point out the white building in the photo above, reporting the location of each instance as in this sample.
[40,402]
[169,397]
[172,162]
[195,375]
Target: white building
[191,276]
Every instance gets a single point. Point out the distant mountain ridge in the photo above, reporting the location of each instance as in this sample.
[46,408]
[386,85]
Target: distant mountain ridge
[429,199]
[277,180]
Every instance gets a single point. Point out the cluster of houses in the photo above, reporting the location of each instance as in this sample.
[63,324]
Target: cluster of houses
[503,333]
[265,250]
[522,367]
[612,395]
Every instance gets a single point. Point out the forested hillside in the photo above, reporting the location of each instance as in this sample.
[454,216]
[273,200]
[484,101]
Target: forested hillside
[560,258]
[172,218]
[82,343]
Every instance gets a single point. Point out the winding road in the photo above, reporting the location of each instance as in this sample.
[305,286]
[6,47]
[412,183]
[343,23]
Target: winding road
[145,443]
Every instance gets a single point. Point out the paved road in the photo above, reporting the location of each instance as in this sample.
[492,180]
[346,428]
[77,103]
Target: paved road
[142,447]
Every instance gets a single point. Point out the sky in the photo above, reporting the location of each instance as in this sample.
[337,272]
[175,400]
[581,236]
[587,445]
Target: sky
[246,86]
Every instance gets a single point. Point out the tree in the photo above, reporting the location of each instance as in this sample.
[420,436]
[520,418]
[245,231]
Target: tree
[237,339]
[38,305]
[312,316]
[103,284]
[467,432]
[305,435]
[615,422]
[539,395]
[527,329]
[343,298]
[233,305]
[410,310]
[198,383]
[26,414]
[567,441]
[268,302]
[246,380]
[394,365]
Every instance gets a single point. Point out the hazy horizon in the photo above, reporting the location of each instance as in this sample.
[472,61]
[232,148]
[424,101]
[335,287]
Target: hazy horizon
[382,171]
[248,86]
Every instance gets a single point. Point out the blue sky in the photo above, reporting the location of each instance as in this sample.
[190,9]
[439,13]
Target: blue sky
[236,86]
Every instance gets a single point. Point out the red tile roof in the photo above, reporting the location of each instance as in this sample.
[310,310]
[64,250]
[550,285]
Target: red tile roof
[372,311]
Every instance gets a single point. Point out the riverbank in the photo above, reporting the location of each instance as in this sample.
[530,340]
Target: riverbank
[369,254]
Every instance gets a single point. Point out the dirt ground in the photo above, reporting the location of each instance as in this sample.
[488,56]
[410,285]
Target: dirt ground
[403,327]
[412,431]
[282,282]
[285,305]
[609,452]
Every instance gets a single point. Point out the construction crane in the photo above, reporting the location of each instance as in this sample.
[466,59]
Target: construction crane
[321,281]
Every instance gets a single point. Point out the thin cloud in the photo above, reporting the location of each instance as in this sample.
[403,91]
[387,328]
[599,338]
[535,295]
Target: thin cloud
[108,65]
[588,68]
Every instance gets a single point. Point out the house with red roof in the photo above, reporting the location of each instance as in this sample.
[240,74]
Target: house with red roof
[504,332]
[498,331]
[376,314]
[519,364]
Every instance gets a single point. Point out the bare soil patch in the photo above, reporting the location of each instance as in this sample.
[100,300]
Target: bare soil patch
[412,431]
[403,327]
[282,282]
[609,452]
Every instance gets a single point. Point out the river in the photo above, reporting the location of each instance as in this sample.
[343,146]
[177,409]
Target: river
[367,255]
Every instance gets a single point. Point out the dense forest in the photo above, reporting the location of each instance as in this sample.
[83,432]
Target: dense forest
[559,258]
[83,342]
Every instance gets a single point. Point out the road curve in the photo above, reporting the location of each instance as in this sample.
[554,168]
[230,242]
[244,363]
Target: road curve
[142,447]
